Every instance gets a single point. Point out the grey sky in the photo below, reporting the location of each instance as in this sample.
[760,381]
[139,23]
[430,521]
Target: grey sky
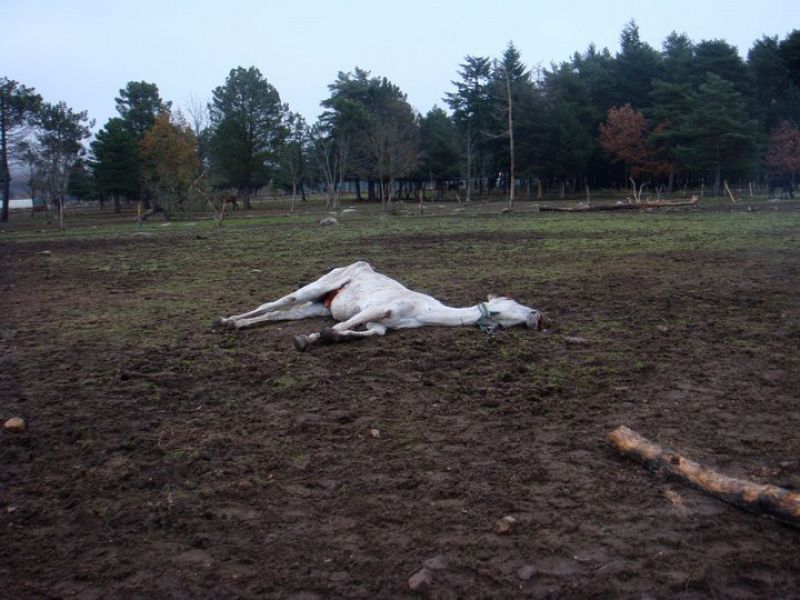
[84,51]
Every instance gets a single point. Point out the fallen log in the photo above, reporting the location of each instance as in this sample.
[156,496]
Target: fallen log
[588,208]
[766,500]
[636,206]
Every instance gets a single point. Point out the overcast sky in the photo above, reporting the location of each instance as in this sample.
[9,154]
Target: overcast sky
[84,51]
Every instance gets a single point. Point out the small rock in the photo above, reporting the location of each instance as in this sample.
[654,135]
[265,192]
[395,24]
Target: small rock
[375,433]
[526,573]
[674,497]
[14,425]
[421,580]
[45,252]
[328,221]
[437,563]
[505,525]
[662,328]
[575,340]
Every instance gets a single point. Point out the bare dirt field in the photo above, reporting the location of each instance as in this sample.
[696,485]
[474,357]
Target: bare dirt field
[164,458]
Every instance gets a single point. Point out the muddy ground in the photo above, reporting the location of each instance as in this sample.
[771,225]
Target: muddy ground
[163,458]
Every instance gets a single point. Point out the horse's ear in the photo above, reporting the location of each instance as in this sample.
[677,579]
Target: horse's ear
[491,297]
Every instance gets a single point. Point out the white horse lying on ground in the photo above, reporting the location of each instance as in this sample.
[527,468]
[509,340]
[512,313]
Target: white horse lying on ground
[367,303]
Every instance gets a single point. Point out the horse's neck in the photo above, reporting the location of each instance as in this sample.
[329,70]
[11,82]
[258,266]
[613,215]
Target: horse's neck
[449,316]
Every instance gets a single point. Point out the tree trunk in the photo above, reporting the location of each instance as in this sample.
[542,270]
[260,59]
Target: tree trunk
[469,164]
[61,212]
[5,174]
[512,175]
[117,207]
[718,180]
[243,195]
[768,500]
[671,180]
[358,189]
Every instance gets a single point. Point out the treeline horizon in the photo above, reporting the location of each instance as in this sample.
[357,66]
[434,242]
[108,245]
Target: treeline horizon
[688,114]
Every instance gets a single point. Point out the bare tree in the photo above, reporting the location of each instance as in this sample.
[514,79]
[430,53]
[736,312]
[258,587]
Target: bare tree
[325,153]
[197,111]
[59,144]
[292,155]
[511,175]
[393,142]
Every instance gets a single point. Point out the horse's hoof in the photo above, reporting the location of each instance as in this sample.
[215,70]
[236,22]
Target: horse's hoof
[219,322]
[301,343]
[328,336]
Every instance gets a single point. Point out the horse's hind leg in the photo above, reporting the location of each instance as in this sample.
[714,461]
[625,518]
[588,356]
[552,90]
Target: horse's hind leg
[308,293]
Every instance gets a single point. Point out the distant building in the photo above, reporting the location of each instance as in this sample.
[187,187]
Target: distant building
[30,203]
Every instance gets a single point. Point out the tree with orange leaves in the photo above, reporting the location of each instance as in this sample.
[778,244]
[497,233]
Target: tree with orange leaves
[783,153]
[170,161]
[623,137]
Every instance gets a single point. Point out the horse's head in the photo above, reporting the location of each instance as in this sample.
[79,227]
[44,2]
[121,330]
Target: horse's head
[508,313]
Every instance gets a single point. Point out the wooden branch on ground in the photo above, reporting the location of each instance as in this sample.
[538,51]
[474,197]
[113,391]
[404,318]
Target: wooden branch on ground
[636,197]
[767,500]
[657,204]
[730,193]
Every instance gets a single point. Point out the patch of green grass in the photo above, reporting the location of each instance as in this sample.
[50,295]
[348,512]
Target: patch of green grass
[283,382]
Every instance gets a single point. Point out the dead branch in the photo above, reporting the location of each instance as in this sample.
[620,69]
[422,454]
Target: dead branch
[730,193]
[767,500]
[635,197]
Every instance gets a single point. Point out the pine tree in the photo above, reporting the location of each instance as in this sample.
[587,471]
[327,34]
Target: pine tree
[678,57]
[115,161]
[440,148]
[777,96]
[510,80]
[718,132]
[18,108]
[636,65]
[138,104]
[472,112]
[669,109]
[247,131]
